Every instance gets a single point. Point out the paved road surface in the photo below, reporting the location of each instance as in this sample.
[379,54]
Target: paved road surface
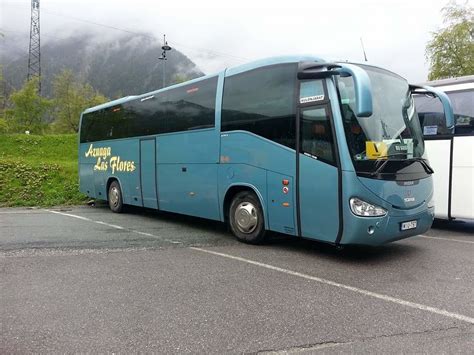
[85,279]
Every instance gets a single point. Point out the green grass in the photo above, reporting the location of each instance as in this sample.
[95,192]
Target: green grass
[39,170]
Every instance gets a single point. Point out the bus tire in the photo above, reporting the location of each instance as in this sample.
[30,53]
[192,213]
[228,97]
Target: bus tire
[114,197]
[246,218]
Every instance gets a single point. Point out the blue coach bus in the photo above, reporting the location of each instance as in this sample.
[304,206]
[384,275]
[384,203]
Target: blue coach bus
[327,151]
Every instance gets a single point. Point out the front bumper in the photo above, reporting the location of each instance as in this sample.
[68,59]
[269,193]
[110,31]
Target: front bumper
[385,229]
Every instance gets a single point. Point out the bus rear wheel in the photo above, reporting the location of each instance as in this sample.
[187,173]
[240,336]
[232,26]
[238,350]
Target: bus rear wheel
[114,197]
[246,218]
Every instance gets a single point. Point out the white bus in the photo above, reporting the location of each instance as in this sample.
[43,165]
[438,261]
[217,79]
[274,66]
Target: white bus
[451,154]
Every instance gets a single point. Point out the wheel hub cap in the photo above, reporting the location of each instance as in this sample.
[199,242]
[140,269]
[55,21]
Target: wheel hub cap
[246,217]
[114,196]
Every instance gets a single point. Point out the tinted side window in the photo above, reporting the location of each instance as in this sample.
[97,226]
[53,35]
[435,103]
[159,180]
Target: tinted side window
[109,123]
[189,107]
[185,108]
[92,127]
[86,126]
[463,107]
[311,91]
[316,135]
[143,116]
[262,101]
[115,123]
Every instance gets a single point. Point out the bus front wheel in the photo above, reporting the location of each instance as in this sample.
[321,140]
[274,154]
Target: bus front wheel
[115,197]
[246,218]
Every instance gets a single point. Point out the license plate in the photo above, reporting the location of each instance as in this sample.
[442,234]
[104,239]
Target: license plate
[408,225]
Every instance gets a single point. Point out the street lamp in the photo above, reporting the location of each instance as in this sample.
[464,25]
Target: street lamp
[165,47]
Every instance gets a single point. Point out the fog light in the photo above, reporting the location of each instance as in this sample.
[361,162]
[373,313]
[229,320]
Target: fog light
[371,230]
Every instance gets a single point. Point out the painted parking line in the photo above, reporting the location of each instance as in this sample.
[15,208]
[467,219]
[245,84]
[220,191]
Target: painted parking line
[380,296]
[19,212]
[448,239]
[71,215]
[386,298]
[113,226]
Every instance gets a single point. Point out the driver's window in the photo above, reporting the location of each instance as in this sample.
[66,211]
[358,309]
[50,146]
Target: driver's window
[316,135]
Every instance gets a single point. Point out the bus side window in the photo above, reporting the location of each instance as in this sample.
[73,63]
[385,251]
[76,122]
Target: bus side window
[431,115]
[262,101]
[464,126]
[92,126]
[463,107]
[316,135]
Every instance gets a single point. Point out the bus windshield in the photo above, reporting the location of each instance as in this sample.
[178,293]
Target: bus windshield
[431,113]
[393,130]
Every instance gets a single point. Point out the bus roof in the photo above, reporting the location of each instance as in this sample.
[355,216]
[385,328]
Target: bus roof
[110,103]
[271,61]
[451,81]
[228,71]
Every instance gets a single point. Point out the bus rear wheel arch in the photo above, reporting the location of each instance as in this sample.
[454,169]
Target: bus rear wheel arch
[114,196]
[245,217]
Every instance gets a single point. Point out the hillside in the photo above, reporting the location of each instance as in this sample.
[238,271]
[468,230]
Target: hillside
[119,66]
[39,170]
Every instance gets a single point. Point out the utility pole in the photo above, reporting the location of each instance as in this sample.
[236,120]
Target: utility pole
[165,48]
[34,56]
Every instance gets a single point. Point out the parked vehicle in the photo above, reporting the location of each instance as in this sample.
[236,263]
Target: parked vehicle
[451,154]
[326,151]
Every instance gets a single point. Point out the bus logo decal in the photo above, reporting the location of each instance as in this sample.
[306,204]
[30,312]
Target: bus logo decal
[409,196]
[106,160]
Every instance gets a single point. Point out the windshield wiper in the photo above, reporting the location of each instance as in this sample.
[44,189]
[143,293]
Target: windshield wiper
[379,169]
[424,163]
[385,161]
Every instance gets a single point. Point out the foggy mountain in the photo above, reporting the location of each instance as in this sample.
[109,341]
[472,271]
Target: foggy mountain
[120,66]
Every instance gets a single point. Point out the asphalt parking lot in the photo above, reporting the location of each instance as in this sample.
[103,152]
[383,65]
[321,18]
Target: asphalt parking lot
[85,279]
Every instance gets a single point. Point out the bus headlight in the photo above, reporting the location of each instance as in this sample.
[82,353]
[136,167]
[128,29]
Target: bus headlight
[365,209]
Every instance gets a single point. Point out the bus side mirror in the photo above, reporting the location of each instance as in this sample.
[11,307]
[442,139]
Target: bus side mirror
[362,88]
[448,109]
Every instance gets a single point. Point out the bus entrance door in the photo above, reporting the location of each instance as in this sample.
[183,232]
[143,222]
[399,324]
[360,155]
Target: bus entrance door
[148,173]
[318,175]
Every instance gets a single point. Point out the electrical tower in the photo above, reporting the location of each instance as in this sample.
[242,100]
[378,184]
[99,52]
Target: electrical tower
[34,57]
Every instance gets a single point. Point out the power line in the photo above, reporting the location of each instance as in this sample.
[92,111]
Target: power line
[237,58]
[27,34]
[95,23]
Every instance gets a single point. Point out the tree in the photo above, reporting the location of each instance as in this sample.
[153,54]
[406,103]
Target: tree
[2,91]
[70,98]
[3,121]
[29,108]
[451,49]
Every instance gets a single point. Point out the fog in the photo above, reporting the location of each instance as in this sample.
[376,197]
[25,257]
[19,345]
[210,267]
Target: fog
[216,34]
